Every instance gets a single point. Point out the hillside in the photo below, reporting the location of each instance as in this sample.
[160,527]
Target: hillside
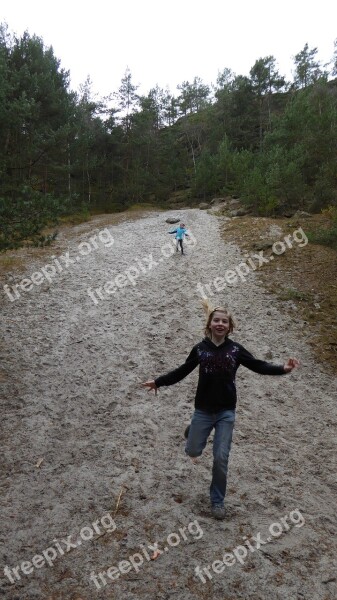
[94,471]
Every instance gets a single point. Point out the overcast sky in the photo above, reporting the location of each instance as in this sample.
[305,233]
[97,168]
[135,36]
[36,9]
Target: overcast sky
[166,43]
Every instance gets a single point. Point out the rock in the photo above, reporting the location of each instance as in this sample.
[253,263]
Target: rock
[217,201]
[262,245]
[172,220]
[301,213]
[275,231]
[234,202]
[203,205]
[219,208]
[241,212]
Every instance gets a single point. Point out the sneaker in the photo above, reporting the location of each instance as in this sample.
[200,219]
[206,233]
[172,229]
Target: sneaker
[186,432]
[218,512]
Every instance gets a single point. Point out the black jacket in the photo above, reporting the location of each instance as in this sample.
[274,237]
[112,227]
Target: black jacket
[216,389]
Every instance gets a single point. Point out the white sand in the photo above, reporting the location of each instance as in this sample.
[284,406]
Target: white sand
[71,372]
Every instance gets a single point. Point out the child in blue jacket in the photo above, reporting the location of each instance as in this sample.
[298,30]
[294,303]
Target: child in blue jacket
[180,234]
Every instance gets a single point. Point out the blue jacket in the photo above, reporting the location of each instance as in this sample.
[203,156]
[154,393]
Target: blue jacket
[180,233]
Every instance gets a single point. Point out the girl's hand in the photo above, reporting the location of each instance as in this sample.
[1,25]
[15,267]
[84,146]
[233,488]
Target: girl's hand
[151,385]
[292,363]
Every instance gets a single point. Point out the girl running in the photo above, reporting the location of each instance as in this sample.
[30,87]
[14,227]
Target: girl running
[218,358]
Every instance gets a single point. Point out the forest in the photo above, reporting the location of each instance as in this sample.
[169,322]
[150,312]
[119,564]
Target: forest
[269,141]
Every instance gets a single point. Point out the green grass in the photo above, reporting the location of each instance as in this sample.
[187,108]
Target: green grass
[326,236]
[293,294]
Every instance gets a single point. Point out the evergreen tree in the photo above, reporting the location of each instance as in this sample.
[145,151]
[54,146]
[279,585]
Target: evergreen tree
[127,100]
[36,105]
[307,68]
[334,59]
[265,80]
[194,96]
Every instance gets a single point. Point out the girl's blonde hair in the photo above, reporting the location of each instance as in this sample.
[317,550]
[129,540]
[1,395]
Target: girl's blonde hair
[210,310]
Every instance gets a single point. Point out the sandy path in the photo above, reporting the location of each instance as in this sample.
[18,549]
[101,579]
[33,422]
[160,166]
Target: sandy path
[70,375]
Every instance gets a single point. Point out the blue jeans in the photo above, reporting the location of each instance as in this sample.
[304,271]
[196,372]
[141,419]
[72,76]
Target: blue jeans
[201,426]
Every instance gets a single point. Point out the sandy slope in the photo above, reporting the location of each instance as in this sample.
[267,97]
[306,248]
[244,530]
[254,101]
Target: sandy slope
[70,381]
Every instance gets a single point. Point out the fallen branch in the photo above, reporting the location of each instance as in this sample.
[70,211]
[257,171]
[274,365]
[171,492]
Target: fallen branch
[119,497]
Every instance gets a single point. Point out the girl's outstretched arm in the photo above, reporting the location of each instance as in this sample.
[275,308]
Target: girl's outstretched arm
[176,375]
[263,367]
[151,385]
[292,363]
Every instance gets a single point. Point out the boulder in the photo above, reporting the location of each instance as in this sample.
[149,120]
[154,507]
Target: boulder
[221,207]
[217,201]
[301,213]
[234,202]
[263,245]
[203,205]
[172,220]
[240,212]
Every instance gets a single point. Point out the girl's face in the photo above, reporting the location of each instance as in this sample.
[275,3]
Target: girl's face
[219,325]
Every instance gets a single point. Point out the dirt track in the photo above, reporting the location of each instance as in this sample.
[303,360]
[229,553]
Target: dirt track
[113,454]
